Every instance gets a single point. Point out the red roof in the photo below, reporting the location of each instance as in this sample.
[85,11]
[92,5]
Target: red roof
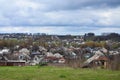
[103,58]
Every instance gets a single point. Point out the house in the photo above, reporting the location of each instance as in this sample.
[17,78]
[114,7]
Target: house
[70,55]
[24,51]
[49,54]
[98,59]
[42,49]
[61,60]
[102,61]
[12,63]
[57,55]
[36,58]
[54,58]
[5,60]
[5,51]
[114,62]
[16,55]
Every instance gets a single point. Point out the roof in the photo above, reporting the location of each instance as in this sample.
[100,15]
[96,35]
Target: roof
[57,55]
[24,50]
[49,54]
[14,61]
[35,53]
[102,58]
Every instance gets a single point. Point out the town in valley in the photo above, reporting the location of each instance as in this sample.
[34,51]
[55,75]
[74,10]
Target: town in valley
[77,51]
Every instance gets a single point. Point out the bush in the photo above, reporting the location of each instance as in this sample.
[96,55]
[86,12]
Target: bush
[62,76]
[43,64]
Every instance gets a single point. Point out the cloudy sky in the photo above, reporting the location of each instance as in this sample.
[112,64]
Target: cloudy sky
[60,16]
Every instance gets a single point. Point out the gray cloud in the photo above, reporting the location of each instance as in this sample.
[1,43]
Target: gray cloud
[66,13]
[78,4]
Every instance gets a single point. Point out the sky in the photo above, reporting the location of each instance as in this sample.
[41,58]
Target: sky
[60,16]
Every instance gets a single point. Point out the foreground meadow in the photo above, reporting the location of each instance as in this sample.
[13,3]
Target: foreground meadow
[55,73]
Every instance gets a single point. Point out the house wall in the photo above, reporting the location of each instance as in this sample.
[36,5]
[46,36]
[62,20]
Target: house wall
[102,64]
[12,63]
[15,64]
[3,63]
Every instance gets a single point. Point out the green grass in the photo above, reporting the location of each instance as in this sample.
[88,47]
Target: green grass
[54,73]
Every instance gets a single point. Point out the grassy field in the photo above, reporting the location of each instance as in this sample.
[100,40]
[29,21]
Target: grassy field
[54,73]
